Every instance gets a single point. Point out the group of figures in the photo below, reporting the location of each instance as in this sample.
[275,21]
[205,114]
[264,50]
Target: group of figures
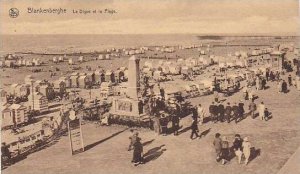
[241,148]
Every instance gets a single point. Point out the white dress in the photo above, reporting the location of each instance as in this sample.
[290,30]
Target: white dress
[246,149]
[261,110]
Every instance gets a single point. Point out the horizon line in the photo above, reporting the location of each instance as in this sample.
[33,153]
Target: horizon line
[197,34]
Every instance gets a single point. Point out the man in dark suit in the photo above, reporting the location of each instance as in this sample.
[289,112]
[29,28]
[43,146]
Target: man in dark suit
[228,112]
[221,111]
[235,110]
[213,112]
[194,128]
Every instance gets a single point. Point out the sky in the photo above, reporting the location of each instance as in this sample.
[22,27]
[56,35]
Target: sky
[278,17]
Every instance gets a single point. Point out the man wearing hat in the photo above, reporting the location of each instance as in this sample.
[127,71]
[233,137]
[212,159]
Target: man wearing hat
[132,138]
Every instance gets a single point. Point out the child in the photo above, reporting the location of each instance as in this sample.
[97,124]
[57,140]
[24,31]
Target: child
[266,114]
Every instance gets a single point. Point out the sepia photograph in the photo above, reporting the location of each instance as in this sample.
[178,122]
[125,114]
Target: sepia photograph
[150,86]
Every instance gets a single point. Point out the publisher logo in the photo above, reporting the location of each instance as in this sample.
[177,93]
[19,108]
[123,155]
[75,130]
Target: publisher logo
[13,12]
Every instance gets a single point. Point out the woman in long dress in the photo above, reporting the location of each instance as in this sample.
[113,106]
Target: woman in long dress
[261,110]
[246,149]
[137,152]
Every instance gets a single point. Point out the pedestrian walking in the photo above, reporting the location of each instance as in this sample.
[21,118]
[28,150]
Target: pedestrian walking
[246,149]
[279,86]
[250,94]
[228,110]
[213,112]
[261,110]
[267,75]
[290,80]
[245,92]
[164,124]
[263,83]
[225,150]
[175,123]
[236,112]
[133,139]
[194,128]
[266,114]
[237,147]
[284,86]
[138,152]
[241,110]
[218,146]
[5,154]
[257,81]
[201,113]
[221,111]
[252,108]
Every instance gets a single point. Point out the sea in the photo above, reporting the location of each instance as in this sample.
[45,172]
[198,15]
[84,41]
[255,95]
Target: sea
[69,43]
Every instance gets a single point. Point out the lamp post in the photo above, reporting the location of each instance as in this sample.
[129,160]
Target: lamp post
[32,94]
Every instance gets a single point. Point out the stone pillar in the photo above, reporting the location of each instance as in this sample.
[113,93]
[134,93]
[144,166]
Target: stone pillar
[133,77]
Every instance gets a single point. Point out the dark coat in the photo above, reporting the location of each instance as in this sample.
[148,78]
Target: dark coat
[213,109]
[237,144]
[228,110]
[194,125]
[137,151]
[221,109]
[284,86]
[235,110]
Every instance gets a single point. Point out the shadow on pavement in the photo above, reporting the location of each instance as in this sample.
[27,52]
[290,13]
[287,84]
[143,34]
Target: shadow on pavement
[148,142]
[184,130]
[204,133]
[254,153]
[153,153]
[88,147]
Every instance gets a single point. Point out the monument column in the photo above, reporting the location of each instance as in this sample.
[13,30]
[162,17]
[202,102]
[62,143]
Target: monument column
[133,77]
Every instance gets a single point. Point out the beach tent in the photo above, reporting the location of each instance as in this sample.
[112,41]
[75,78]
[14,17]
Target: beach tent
[70,61]
[81,59]
[109,76]
[99,76]
[175,69]
[83,81]
[100,57]
[148,64]
[119,75]
[74,81]
[60,59]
